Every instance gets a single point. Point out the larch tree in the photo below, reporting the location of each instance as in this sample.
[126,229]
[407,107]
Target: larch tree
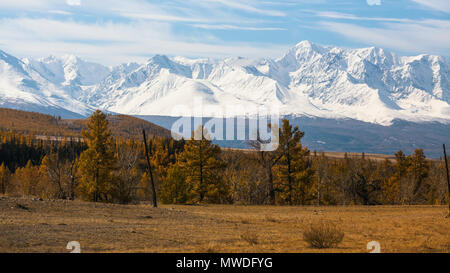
[174,188]
[393,189]
[201,165]
[97,162]
[294,171]
[25,180]
[4,178]
[419,169]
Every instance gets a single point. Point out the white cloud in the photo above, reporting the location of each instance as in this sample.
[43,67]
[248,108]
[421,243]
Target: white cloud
[346,16]
[233,27]
[158,17]
[239,5]
[427,36]
[60,12]
[441,5]
[113,43]
[73,2]
[29,4]
[374,2]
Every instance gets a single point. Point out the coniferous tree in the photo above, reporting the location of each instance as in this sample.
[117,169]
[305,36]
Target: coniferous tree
[419,169]
[174,188]
[389,186]
[294,171]
[201,164]
[26,180]
[97,162]
[398,182]
[4,178]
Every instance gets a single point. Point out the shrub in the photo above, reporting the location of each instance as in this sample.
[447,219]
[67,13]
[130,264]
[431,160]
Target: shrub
[271,219]
[250,237]
[323,235]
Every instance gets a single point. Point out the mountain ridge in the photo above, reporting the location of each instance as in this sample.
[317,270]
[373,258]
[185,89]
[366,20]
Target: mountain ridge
[368,84]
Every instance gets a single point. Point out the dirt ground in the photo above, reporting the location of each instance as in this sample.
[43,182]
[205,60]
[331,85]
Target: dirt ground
[30,225]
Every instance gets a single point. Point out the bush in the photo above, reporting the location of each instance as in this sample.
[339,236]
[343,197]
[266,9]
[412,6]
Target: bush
[323,235]
[250,237]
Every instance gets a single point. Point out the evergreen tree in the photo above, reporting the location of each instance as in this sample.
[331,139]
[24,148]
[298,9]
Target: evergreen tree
[294,171]
[419,169]
[174,188]
[25,181]
[393,183]
[97,162]
[4,178]
[201,164]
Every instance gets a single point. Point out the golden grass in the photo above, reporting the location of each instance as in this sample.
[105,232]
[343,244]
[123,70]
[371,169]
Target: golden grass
[323,235]
[47,226]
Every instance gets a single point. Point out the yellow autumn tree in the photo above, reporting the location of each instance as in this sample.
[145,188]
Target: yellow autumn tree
[4,178]
[174,189]
[419,170]
[201,164]
[97,162]
[26,180]
[294,171]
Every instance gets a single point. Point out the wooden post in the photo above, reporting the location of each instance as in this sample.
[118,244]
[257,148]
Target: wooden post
[448,179]
[149,166]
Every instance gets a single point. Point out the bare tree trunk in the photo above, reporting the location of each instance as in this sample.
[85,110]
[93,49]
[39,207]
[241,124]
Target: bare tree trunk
[271,188]
[448,180]
[149,166]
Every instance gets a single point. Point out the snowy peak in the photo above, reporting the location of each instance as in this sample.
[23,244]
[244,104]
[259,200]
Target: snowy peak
[69,70]
[11,63]
[367,84]
[24,87]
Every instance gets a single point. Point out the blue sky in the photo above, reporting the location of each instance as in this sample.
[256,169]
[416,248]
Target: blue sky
[115,31]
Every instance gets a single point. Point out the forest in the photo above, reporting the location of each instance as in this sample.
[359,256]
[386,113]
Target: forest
[101,166]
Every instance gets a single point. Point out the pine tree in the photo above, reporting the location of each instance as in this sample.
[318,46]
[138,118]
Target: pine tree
[201,164]
[419,169]
[390,188]
[97,162]
[174,188]
[396,188]
[294,171]
[4,178]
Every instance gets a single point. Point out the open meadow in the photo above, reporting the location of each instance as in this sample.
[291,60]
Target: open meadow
[31,225]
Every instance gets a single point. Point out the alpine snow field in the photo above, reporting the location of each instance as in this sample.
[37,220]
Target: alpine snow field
[354,100]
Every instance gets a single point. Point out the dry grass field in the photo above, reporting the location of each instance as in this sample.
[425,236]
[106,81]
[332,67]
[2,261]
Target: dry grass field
[28,225]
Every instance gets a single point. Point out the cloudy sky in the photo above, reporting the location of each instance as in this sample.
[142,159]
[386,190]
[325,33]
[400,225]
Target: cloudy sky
[115,31]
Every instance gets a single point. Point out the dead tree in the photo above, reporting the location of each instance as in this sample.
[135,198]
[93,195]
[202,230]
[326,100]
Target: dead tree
[149,168]
[267,159]
[448,180]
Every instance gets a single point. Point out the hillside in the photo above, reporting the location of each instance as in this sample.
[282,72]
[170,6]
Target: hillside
[46,125]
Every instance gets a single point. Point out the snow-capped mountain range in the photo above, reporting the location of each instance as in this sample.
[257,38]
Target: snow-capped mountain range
[368,84]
